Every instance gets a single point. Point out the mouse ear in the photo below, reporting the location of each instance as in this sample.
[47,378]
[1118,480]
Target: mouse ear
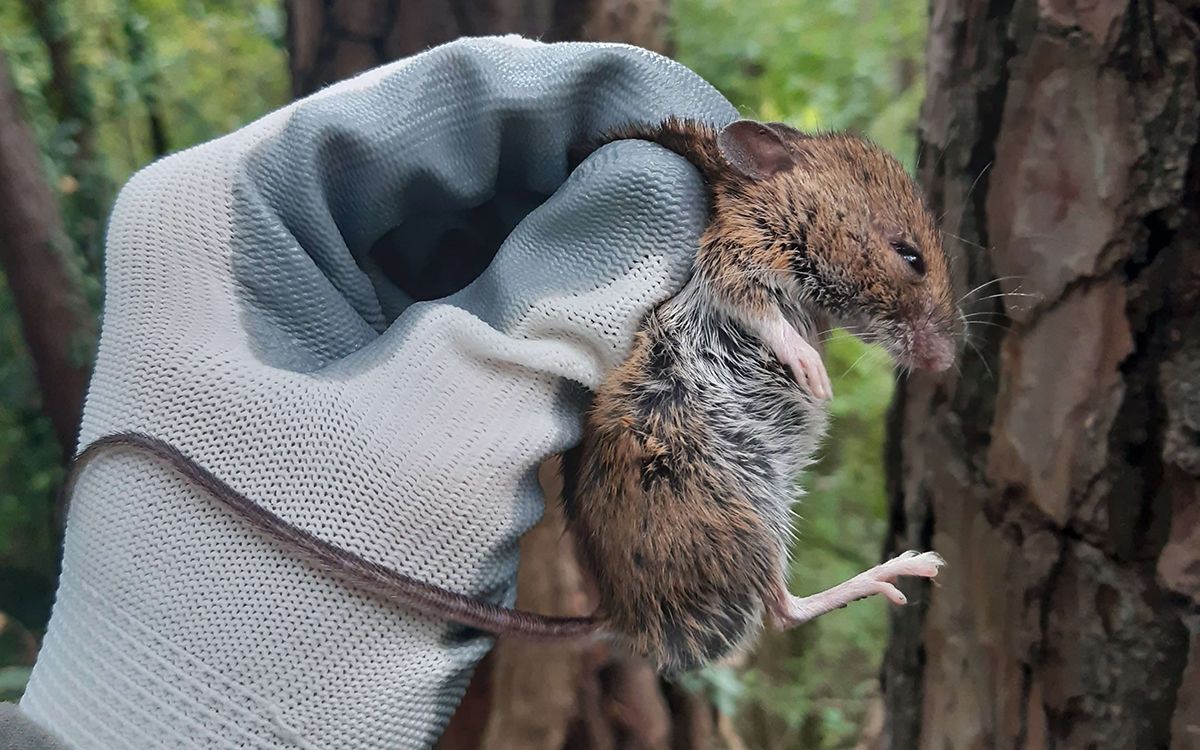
[754,150]
[786,131]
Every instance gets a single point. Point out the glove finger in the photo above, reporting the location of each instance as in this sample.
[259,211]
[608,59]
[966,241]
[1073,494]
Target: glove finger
[345,216]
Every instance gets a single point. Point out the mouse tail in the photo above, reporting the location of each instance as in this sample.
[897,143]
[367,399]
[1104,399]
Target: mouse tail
[694,140]
[358,571]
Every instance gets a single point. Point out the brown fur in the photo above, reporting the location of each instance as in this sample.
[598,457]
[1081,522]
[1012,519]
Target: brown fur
[685,548]
[670,557]
[834,215]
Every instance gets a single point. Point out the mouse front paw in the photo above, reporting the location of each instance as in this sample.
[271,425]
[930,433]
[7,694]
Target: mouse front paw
[807,368]
[794,352]
[803,361]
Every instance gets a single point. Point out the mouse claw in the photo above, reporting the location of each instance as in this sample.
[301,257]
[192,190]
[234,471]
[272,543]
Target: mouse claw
[789,611]
[910,563]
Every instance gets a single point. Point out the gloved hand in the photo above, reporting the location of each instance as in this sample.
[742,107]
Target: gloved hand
[260,316]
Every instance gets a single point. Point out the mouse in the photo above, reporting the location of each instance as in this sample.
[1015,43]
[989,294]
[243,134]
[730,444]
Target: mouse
[679,494]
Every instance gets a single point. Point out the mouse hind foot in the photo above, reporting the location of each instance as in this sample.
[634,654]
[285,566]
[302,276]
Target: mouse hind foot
[788,610]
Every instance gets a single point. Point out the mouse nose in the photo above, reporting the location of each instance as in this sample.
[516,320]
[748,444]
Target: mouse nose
[933,352]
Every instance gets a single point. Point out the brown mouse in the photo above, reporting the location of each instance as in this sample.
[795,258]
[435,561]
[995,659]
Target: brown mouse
[680,492]
[680,495]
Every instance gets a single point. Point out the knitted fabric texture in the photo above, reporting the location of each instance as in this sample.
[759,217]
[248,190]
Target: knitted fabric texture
[262,315]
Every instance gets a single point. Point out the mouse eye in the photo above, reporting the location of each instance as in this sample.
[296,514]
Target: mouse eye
[910,256]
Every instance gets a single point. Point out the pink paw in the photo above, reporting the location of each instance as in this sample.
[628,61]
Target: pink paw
[806,366]
[881,577]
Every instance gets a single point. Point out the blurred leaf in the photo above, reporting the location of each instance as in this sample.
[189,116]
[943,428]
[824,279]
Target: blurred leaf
[12,682]
[721,685]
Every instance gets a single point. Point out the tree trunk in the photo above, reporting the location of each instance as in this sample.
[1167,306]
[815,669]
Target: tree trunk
[528,696]
[66,90]
[37,261]
[87,189]
[329,40]
[1059,139]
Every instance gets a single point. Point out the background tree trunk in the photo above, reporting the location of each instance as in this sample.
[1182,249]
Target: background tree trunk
[1060,140]
[35,254]
[87,191]
[531,697]
[329,40]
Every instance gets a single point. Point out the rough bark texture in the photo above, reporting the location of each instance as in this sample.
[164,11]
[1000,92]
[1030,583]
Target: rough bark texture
[1060,139]
[333,39]
[35,255]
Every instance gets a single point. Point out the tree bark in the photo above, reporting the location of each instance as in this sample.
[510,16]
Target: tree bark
[329,40]
[35,255]
[66,90]
[1059,140]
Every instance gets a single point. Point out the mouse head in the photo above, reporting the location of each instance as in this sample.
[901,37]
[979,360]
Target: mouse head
[843,221]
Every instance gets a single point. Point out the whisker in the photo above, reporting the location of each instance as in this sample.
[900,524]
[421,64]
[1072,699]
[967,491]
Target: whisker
[940,159]
[1010,294]
[979,313]
[861,357]
[965,241]
[848,329]
[870,337]
[996,280]
[970,190]
[829,335]
[982,359]
[989,323]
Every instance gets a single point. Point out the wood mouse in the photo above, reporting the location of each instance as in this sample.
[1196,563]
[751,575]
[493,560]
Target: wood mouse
[680,492]
[680,495]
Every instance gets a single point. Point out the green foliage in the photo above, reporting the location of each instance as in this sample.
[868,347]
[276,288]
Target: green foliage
[820,65]
[210,66]
[203,68]
[812,63]
[721,685]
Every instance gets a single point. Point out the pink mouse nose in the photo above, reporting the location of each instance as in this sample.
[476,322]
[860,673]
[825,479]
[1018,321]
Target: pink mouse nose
[934,353]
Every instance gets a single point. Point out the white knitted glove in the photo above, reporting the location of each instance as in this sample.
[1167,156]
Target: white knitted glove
[249,322]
